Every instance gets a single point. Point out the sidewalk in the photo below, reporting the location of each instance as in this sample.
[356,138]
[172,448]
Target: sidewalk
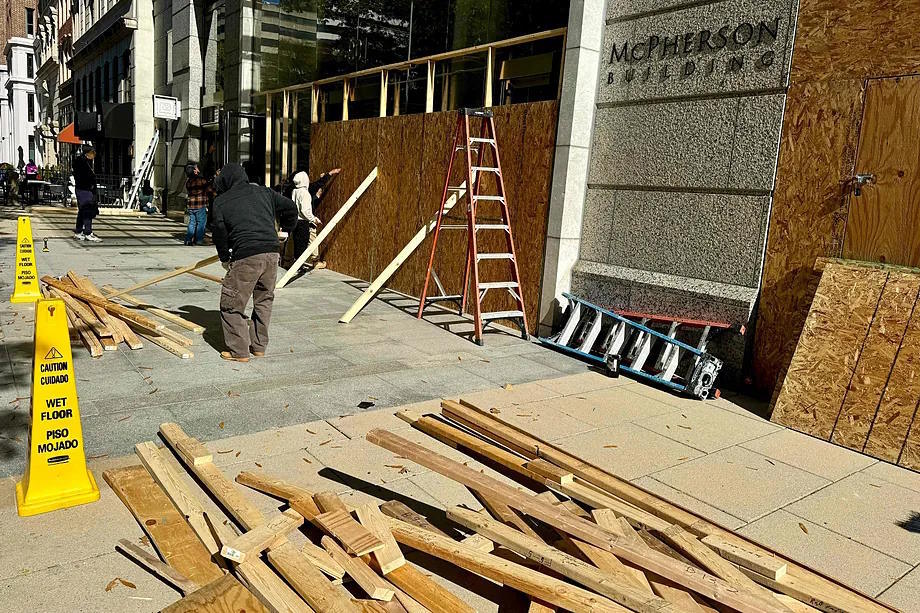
[295,415]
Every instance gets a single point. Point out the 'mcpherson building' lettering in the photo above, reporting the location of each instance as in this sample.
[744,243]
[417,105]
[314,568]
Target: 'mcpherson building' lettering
[705,43]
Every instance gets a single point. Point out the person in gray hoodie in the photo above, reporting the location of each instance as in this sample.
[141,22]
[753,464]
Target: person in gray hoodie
[307,224]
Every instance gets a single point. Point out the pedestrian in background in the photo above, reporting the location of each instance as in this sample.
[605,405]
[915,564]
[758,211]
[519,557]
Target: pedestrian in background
[87,203]
[247,244]
[199,190]
[308,223]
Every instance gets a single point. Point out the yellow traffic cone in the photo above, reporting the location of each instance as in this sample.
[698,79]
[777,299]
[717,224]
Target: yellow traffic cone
[56,476]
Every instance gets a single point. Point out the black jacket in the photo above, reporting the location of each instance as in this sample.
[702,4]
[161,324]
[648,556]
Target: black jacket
[245,214]
[83,176]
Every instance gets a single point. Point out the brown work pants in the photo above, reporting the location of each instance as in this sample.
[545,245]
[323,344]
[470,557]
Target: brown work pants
[253,277]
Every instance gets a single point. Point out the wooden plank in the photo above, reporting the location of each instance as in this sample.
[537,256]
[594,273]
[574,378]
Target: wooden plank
[327,229]
[531,582]
[270,588]
[157,567]
[254,542]
[162,314]
[550,471]
[300,499]
[426,591]
[599,500]
[120,328]
[897,408]
[389,557]
[175,337]
[504,514]
[356,539]
[329,501]
[116,309]
[322,560]
[170,534]
[86,335]
[398,510]
[609,564]
[206,276]
[223,595]
[81,311]
[306,579]
[700,582]
[414,243]
[824,361]
[873,369]
[164,343]
[769,566]
[177,490]
[168,275]
[479,543]
[620,589]
[103,315]
[355,568]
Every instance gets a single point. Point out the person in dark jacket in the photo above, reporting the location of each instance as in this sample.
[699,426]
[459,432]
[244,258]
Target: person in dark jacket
[247,244]
[85,187]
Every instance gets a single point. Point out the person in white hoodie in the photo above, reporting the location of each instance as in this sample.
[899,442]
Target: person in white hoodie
[305,232]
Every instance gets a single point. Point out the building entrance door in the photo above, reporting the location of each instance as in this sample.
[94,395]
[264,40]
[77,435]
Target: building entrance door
[884,213]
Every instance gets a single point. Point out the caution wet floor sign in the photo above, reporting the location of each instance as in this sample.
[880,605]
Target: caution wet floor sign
[56,476]
[26,289]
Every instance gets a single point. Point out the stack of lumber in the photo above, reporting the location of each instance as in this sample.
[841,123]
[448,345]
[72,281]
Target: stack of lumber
[853,379]
[581,540]
[102,324]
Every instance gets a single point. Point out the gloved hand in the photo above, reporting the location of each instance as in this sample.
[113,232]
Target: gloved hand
[226,266]
[283,235]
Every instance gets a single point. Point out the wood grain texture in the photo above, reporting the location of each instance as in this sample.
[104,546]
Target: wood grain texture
[170,534]
[876,359]
[223,595]
[832,339]
[412,152]
[352,535]
[817,152]
[884,220]
[898,407]
[836,40]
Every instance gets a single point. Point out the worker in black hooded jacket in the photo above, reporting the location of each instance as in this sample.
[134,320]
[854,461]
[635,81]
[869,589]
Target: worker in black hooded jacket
[247,243]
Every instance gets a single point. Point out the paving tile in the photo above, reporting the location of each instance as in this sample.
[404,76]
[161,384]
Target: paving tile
[627,450]
[79,587]
[905,594]
[808,453]
[366,461]
[543,421]
[116,434]
[708,428]
[871,511]
[607,406]
[690,503]
[583,382]
[447,492]
[356,426]
[289,467]
[856,565]
[275,441]
[509,395]
[342,396]
[512,369]
[894,474]
[437,381]
[735,479]
[557,361]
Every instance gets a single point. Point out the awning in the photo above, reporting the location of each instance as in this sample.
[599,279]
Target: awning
[67,135]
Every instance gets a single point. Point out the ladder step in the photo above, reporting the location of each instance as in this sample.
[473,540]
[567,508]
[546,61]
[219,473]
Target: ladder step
[491,226]
[501,315]
[492,198]
[455,227]
[494,256]
[485,169]
[499,285]
[450,298]
[491,141]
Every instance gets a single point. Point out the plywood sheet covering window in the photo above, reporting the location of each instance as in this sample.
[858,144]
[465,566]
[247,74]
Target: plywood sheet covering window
[411,153]
[854,377]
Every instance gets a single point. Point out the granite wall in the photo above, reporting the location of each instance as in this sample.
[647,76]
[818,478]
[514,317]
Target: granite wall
[689,111]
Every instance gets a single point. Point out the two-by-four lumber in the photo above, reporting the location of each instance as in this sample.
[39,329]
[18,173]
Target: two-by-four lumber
[402,512]
[120,328]
[701,582]
[356,539]
[306,579]
[526,580]
[162,314]
[89,339]
[550,471]
[359,571]
[257,540]
[329,501]
[158,567]
[322,560]
[165,276]
[619,589]
[107,320]
[760,562]
[388,557]
[223,595]
[427,592]
[504,514]
[116,309]
[165,343]
[80,311]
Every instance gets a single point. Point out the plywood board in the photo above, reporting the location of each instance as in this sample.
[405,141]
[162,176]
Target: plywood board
[877,356]
[826,356]
[224,595]
[808,217]
[168,531]
[898,407]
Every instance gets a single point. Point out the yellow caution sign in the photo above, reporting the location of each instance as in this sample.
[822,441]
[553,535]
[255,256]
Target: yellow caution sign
[56,476]
[27,289]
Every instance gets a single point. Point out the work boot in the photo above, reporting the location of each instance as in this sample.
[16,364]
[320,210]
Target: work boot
[226,355]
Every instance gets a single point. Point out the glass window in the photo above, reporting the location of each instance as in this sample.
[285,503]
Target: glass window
[30,22]
[30,106]
[30,66]
[105,83]
[31,147]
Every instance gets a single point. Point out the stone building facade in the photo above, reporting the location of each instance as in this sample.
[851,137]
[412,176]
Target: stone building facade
[17,75]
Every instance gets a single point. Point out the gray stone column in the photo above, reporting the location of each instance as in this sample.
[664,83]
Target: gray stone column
[573,141]
[143,58]
[187,79]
